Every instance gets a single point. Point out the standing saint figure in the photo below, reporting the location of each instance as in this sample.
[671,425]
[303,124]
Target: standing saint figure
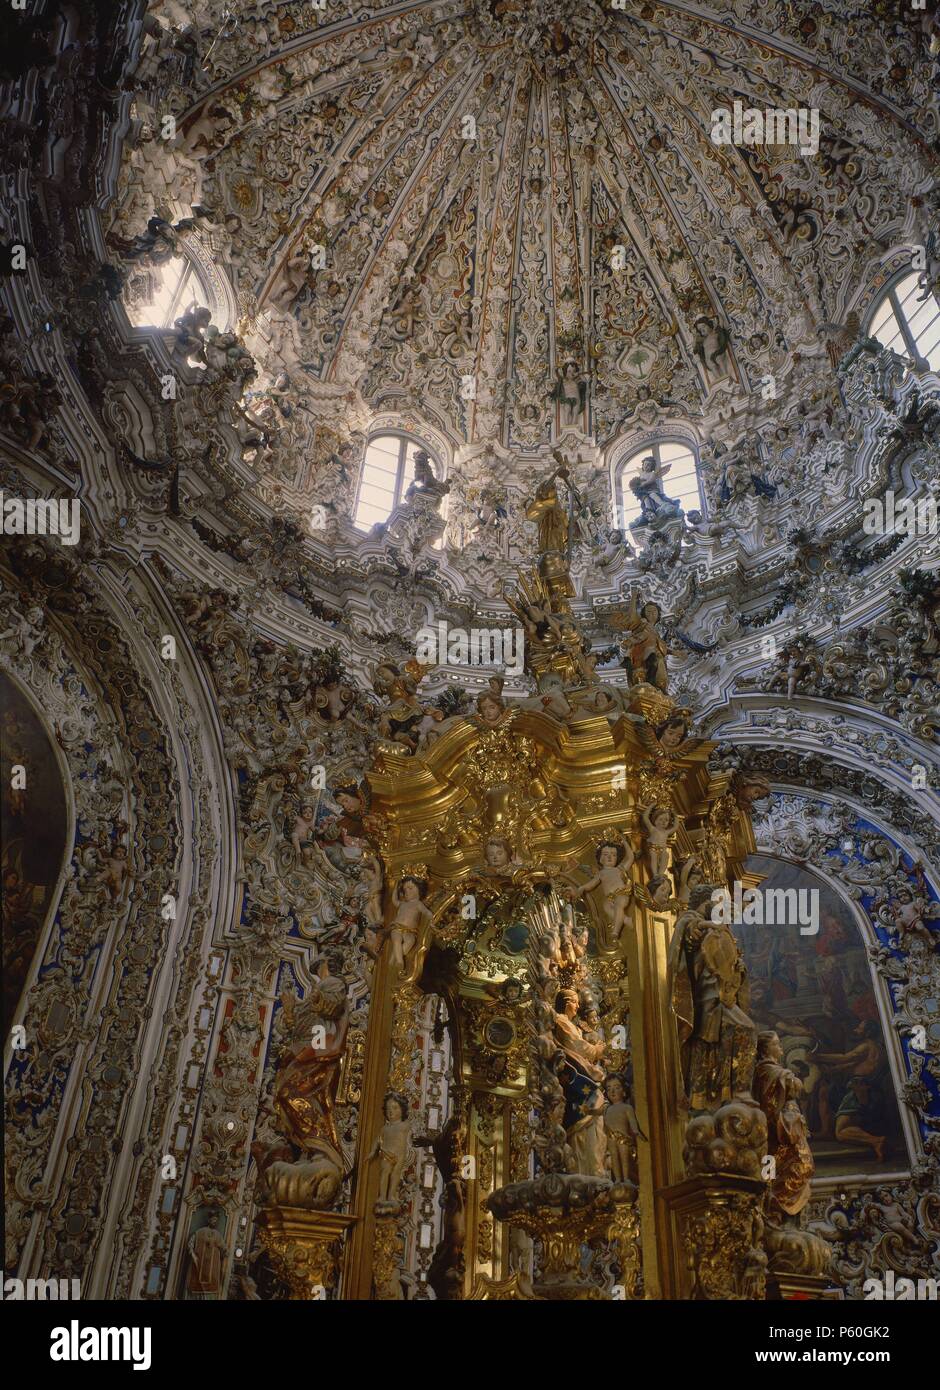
[307,1076]
[570,391]
[645,651]
[718,1041]
[581,1078]
[551,517]
[206,1261]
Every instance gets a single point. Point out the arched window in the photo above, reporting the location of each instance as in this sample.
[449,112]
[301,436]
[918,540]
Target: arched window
[387,470]
[156,295]
[680,482]
[908,320]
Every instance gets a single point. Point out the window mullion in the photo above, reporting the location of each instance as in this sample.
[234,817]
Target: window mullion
[400,482]
[178,295]
[901,316]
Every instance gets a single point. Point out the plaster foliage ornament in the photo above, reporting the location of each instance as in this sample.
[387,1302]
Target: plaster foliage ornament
[891,664]
[891,1228]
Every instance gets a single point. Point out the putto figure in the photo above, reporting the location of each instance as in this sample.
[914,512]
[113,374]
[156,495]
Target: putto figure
[392,1147]
[614,861]
[660,823]
[621,1128]
[410,918]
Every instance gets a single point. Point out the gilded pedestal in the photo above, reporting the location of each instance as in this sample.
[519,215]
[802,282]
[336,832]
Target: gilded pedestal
[304,1247]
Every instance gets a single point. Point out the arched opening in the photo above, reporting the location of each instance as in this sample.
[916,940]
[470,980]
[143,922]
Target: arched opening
[677,463]
[388,469]
[163,286]
[907,319]
[34,826]
[814,989]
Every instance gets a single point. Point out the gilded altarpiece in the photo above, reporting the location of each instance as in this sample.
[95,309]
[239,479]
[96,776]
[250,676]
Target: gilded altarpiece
[521,893]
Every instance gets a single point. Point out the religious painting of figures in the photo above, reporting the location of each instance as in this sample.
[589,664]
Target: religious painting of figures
[815,991]
[33,823]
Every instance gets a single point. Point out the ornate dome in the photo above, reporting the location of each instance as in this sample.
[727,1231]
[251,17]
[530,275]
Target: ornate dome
[443,206]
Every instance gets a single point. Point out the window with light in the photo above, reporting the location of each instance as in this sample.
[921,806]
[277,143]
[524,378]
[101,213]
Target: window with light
[388,469]
[158,295]
[907,319]
[680,482]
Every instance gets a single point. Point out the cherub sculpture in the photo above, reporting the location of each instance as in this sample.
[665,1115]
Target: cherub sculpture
[425,483]
[621,1128]
[610,552]
[490,709]
[711,345]
[498,858]
[411,917]
[115,870]
[908,914]
[302,833]
[647,488]
[614,861]
[392,1147]
[660,823]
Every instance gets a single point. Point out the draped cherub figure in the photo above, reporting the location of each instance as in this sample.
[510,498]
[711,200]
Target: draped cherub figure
[908,914]
[570,391]
[411,916]
[660,823]
[302,833]
[115,870]
[621,1128]
[392,1147]
[614,861]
